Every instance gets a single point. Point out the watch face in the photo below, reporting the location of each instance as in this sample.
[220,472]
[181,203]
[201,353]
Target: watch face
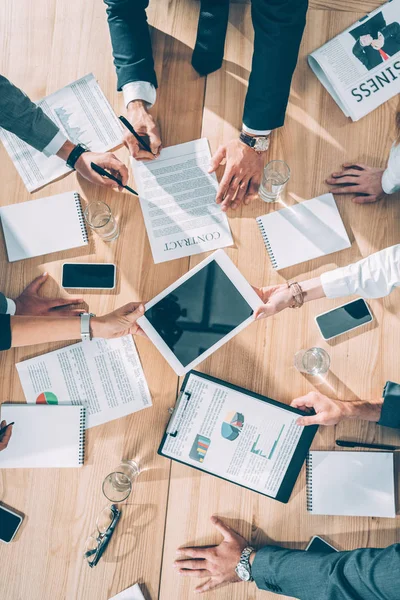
[261,144]
[242,572]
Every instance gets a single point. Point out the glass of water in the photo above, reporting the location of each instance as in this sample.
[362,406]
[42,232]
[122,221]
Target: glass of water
[314,361]
[99,217]
[275,177]
[117,486]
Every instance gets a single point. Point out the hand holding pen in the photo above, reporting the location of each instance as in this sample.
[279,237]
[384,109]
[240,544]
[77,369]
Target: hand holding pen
[141,133]
[5,434]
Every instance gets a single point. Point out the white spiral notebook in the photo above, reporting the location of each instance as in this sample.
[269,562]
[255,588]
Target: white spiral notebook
[44,435]
[308,230]
[358,484]
[43,226]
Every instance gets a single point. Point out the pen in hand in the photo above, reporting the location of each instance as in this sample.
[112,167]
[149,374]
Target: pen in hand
[140,139]
[4,429]
[105,173]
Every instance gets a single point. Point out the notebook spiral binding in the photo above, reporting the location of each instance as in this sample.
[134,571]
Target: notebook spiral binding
[82,436]
[309,483]
[81,218]
[267,244]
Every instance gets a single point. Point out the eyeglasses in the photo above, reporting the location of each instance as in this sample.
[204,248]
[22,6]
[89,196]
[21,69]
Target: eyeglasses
[97,543]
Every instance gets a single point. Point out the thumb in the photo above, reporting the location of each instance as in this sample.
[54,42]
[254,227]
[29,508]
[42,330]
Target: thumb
[217,159]
[224,530]
[155,142]
[313,420]
[263,311]
[133,311]
[36,284]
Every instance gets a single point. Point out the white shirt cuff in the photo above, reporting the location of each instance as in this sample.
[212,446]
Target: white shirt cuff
[53,147]
[11,307]
[390,185]
[256,131]
[139,90]
[334,283]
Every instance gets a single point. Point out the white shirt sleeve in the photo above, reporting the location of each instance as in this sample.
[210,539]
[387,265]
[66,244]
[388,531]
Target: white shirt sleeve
[139,90]
[11,307]
[256,131]
[391,177]
[53,147]
[372,277]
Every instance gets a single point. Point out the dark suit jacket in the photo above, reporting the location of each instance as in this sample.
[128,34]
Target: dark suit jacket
[278,28]
[370,57]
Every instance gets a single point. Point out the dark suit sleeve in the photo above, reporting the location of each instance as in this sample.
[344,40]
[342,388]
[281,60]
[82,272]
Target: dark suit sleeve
[5,332]
[359,53]
[278,29]
[130,38]
[390,415]
[365,574]
[392,31]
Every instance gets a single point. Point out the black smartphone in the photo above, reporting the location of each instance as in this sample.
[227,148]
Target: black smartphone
[343,318]
[317,544]
[10,522]
[89,276]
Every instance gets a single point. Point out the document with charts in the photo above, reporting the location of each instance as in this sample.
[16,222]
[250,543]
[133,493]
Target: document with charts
[177,196]
[83,114]
[105,376]
[238,435]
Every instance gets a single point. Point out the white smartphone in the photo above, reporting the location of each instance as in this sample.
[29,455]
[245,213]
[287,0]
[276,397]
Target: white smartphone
[88,276]
[200,312]
[318,544]
[10,522]
[343,318]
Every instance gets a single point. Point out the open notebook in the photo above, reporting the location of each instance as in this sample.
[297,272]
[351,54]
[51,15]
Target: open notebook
[359,484]
[42,226]
[44,435]
[308,230]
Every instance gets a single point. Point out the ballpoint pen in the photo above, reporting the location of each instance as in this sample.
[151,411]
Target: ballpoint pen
[350,444]
[4,429]
[105,173]
[137,136]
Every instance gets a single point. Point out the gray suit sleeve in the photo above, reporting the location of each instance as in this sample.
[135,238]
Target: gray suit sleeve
[364,574]
[22,117]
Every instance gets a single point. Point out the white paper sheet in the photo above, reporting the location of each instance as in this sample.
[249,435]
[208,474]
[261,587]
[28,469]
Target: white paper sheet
[104,375]
[83,114]
[177,197]
[132,593]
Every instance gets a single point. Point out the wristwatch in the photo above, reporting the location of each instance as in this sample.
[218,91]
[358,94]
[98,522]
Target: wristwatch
[243,569]
[259,143]
[75,154]
[85,327]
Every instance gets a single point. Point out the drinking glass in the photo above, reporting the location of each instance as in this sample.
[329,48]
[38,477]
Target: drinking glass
[275,177]
[99,217]
[314,361]
[117,486]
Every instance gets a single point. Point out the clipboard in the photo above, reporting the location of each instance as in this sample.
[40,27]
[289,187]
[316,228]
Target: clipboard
[296,462]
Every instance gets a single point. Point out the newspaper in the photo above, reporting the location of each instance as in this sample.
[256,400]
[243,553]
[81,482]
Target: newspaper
[83,114]
[360,68]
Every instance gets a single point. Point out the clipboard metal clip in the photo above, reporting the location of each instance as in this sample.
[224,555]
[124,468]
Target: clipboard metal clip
[173,425]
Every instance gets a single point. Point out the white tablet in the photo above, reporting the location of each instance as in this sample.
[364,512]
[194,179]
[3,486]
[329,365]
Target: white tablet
[200,312]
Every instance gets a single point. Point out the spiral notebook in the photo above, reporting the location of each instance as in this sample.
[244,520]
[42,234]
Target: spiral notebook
[308,230]
[44,435]
[358,484]
[43,226]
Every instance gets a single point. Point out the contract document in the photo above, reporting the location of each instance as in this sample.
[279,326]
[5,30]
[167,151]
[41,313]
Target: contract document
[177,196]
[105,376]
[237,435]
[83,114]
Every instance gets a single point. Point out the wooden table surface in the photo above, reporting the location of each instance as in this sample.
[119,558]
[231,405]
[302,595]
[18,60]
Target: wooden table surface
[47,44]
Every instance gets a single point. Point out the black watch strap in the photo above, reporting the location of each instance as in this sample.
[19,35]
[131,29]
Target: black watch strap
[249,140]
[75,154]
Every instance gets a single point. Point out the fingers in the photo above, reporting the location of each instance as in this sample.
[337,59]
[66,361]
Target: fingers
[36,284]
[112,163]
[302,401]
[224,185]
[66,312]
[226,532]
[192,552]
[313,420]
[348,189]
[194,573]
[217,158]
[263,311]
[6,436]
[131,143]
[155,142]
[132,312]
[358,166]
[365,199]
[252,191]
[208,585]
[62,303]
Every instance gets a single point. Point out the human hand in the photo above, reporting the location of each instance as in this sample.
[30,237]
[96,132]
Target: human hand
[328,411]
[5,438]
[145,126]
[242,176]
[30,303]
[218,563]
[276,298]
[119,323]
[108,161]
[360,179]
[379,42]
[366,40]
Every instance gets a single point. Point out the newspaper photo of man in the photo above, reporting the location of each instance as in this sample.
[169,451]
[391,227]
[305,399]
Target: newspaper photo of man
[376,41]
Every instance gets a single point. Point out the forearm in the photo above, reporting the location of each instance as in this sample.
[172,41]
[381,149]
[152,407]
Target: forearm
[367,410]
[27,330]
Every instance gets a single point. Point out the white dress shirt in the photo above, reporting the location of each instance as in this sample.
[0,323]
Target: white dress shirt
[391,177]
[144,90]
[54,146]
[372,277]
[11,307]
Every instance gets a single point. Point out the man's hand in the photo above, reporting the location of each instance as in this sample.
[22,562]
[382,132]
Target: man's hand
[218,563]
[329,411]
[108,161]
[145,126]
[30,303]
[5,438]
[276,298]
[243,172]
[119,323]
[364,181]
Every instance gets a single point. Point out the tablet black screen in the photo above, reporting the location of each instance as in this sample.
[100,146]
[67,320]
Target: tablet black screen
[198,313]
